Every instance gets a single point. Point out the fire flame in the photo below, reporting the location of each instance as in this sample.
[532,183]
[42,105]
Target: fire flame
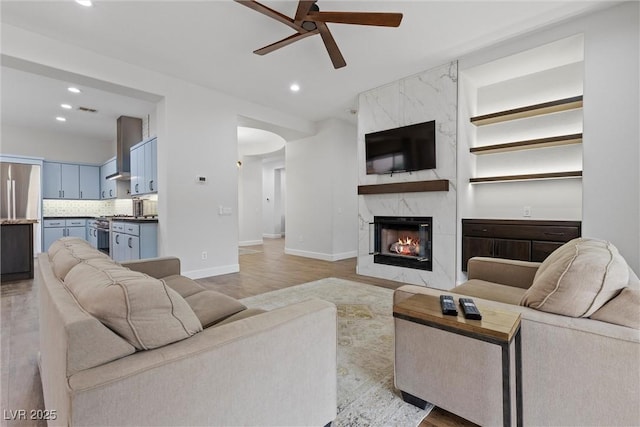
[406,246]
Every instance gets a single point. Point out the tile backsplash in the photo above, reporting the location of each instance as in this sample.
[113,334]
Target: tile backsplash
[87,207]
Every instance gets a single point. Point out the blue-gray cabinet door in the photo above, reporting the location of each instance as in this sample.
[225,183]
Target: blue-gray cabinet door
[70,181]
[89,182]
[51,177]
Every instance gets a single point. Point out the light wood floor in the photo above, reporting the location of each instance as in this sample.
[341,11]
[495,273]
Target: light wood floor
[267,268]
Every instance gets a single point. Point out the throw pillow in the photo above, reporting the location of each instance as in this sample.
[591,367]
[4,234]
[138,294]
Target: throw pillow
[578,278]
[624,309]
[141,309]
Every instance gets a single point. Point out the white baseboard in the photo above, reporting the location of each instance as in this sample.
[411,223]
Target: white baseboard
[215,271]
[321,256]
[250,243]
[272,236]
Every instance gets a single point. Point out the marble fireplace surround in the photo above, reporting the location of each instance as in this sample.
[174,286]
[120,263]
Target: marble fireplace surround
[430,95]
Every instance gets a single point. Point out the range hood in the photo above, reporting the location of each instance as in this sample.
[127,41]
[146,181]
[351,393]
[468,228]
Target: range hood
[129,133]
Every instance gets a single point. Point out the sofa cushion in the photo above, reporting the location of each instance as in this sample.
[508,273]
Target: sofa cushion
[490,291]
[578,278]
[67,257]
[183,285]
[66,242]
[212,307]
[623,309]
[141,309]
[249,312]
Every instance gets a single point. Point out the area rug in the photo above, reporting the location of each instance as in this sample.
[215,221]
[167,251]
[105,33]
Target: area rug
[366,395]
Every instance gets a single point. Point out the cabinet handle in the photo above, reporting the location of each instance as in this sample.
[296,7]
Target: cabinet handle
[117,239]
[63,194]
[110,193]
[484,230]
[81,194]
[129,243]
[103,194]
[549,233]
[151,185]
[55,223]
[136,188]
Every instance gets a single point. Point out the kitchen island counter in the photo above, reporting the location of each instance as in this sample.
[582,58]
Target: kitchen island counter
[17,249]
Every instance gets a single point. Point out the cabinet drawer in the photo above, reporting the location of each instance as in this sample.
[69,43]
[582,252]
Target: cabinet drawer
[117,226]
[530,232]
[53,223]
[541,250]
[133,229]
[76,222]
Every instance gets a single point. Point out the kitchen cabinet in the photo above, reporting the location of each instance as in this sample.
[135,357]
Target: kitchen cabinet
[70,181]
[61,181]
[17,250]
[131,241]
[144,167]
[89,182]
[108,187]
[92,233]
[525,240]
[53,229]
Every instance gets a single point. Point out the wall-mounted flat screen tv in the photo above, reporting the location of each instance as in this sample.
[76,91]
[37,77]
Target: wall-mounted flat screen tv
[404,149]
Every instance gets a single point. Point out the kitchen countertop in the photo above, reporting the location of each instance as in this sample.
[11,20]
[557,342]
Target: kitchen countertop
[18,221]
[135,220]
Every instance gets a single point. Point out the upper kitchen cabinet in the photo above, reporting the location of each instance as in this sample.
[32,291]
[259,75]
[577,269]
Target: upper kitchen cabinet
[61,181]
[144,167]
[108,187]
[69,181]
[89,182]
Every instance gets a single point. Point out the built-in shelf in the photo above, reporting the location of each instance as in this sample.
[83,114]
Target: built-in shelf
[553,141]
[405,187]
[527,177]
[529,111]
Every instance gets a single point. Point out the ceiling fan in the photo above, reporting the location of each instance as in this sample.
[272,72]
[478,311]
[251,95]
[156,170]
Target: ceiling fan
[309,20]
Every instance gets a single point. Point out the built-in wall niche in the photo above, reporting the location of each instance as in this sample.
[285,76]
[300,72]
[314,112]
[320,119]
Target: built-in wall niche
[524,128]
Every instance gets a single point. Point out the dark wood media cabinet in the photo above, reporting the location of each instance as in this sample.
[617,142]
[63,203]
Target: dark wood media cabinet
[525,240]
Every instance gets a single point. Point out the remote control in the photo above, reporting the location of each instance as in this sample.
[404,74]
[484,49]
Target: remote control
[469,309]
[448,306]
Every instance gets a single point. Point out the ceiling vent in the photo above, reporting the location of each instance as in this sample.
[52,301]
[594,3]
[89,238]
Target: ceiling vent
[88,110]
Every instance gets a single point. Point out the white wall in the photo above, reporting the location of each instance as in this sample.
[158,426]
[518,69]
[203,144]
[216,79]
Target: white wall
[51,146]
[250,201]
[610,196]
[197,135]
[321,198]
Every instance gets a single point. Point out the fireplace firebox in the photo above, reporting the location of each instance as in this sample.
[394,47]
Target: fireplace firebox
[402,241]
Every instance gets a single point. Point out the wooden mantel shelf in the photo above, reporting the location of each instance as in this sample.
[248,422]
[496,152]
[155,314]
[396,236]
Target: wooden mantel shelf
[405,187]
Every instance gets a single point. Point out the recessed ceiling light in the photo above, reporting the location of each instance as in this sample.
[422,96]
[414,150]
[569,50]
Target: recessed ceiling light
[86,3]
[74,90]
[61,119]
[294,87]
[66,106]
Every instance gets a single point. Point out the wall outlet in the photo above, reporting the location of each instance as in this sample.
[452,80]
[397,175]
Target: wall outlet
[526,211]
[204,254]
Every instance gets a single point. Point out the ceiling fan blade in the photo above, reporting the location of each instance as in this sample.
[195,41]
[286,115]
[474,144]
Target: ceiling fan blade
[284,42]
[380,19]
[258,7]
[332,47]
[304,6]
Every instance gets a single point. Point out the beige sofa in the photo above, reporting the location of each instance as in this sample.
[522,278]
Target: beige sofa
[576,370]
[126,346]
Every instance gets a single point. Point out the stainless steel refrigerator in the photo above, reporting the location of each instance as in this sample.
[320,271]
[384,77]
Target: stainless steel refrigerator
[20,188]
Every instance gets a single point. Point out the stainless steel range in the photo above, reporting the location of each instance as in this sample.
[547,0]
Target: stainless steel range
[101,228]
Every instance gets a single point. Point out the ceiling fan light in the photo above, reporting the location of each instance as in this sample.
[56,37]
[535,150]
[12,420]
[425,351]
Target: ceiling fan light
[295,87]
[309,25]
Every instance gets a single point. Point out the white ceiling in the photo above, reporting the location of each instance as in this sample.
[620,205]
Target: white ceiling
[211,43]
